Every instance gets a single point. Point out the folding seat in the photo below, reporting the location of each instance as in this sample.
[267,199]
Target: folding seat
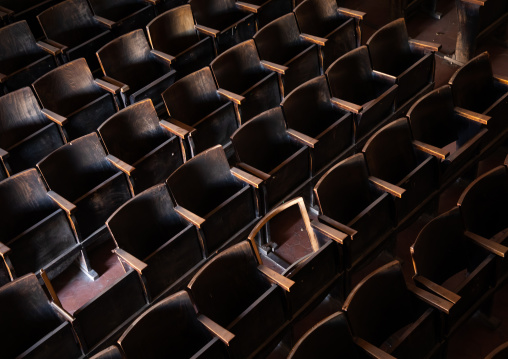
[13,11]
[477,19]
[124,16]
[219,200]
[334,29]
[284,50]
[357,88]
[34,326]
[111,352]
[36,233]
[173,33]
[75,30]
[396,317]
[74,100]
[453,135]
[90,184]
[475,88]
[411,62]
[315,269]
[459,269]
[140,72]
[331,338]
[22,59]
[317,122]
[499,353]
[350,202]
[247,80]
[239,294]
[200,113]
[266,10]
[226,21]
[152,239]
[265,148]
[173,328]
[135,136]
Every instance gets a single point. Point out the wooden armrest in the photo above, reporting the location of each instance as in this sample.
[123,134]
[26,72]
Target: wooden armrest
[63,312]
[121,165]
[246,177]
[387,186]
[431,299]
[53,50]
[104,21]
[280,69]
[223,334]
[501,79]
[314,39]
[431,150]
[348,106]
[3,153]
[191,217]
[330,232]
[425,45]
[123,87]
[64,204]
[138,265]
[300,137]
[247,7]
[491,246]
[337,225]
[4,250]
[153,2]
[471,115]
[206,30]
[108,86]
[56,44]
[387,77]
[255,171]
[437,289]
[163,55]
[49,287]
[359,15]
[2,77]
[280,280]
[60,120]
[475,2]
[231,96]
[372,350]
[174,129]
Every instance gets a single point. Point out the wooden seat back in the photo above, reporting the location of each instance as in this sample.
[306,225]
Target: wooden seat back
[318,17]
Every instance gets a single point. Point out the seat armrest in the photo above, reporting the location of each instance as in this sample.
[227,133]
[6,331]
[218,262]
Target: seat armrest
[108,86]
[437,289]
[280,280]
[475,2]
[64,204]
[138,265]
[50,49]
[433,300]
[60,120]
[372,350]
[189,216]
[6,11]
[62,312]
[272,66]
[206,30]
[329,232]
[2,77]
[345,105]
[3,153]
[501,79]
[223,334]
[174,129]
[385,77]
[247,7]
[387,186]
[425,45]
[56,44]
[231,96]
[302,138]
[153,2]
[320,41]
[121,165]
[106,22]
[359,15]
[254,171]
[123,87]
[431,150]
[4,250]
[246,177]
[163,56]
[471,115]
[493,247]
[337,225]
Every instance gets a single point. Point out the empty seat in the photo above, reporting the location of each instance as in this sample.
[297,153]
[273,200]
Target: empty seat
[142,73]
[173,33]
[89,184]
[36,233]
[135,136]
[336,30]
[410,61]
[25,10]
[37,328]
[27,135]
[453,135]
[72,27]
[236,293]
[154,240]
[72,99]
[368,94]
[287,52]
[172,327]
[397,318]
[111,352]
[320,124]
[200,113]
[266,10]
[22,59]
[247,80]
[265,148]
[399,167]
[219,200]
[223,20]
